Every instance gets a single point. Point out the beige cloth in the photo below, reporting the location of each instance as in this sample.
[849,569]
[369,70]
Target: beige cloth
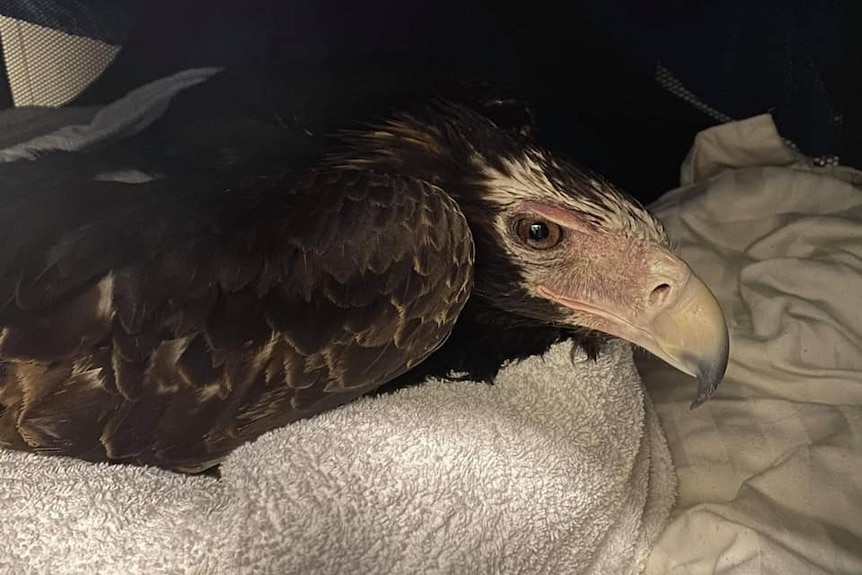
[770,470]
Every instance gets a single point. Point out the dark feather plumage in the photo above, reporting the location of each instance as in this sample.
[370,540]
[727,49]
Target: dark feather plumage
[173,346]
[250,283]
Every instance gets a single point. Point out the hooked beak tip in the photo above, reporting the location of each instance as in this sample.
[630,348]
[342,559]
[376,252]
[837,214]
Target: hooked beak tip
[710,373]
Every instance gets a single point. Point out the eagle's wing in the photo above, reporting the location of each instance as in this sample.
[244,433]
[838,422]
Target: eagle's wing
[153,324]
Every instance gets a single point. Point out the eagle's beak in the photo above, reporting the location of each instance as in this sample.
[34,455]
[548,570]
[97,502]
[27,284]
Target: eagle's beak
[690,334]
[680,321]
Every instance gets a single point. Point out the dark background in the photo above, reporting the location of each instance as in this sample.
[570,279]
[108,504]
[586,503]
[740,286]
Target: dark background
[587,66]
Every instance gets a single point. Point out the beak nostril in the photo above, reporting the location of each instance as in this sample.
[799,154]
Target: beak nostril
[659,294]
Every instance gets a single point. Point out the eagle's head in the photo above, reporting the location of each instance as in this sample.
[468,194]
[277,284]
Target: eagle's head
[556,245]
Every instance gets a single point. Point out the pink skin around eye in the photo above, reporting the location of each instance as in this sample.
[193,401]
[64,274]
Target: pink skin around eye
[560,216]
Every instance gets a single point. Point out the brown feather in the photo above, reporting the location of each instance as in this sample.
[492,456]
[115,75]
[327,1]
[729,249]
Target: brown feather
[226,317]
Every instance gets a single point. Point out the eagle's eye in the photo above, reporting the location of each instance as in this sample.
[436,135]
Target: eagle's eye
[537,233]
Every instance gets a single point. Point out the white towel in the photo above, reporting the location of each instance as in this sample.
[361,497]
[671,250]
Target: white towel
[559,468]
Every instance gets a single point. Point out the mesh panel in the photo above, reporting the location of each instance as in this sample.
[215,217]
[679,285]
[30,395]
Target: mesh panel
[673,85]
[830,160]
[670,83]
[47,67]
[742,58]
[107,20]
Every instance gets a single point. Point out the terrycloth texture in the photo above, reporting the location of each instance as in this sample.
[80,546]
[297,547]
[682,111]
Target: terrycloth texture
[770,469]
[558,469]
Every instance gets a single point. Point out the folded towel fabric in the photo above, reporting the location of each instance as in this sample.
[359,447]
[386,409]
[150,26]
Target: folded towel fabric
[558,468]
